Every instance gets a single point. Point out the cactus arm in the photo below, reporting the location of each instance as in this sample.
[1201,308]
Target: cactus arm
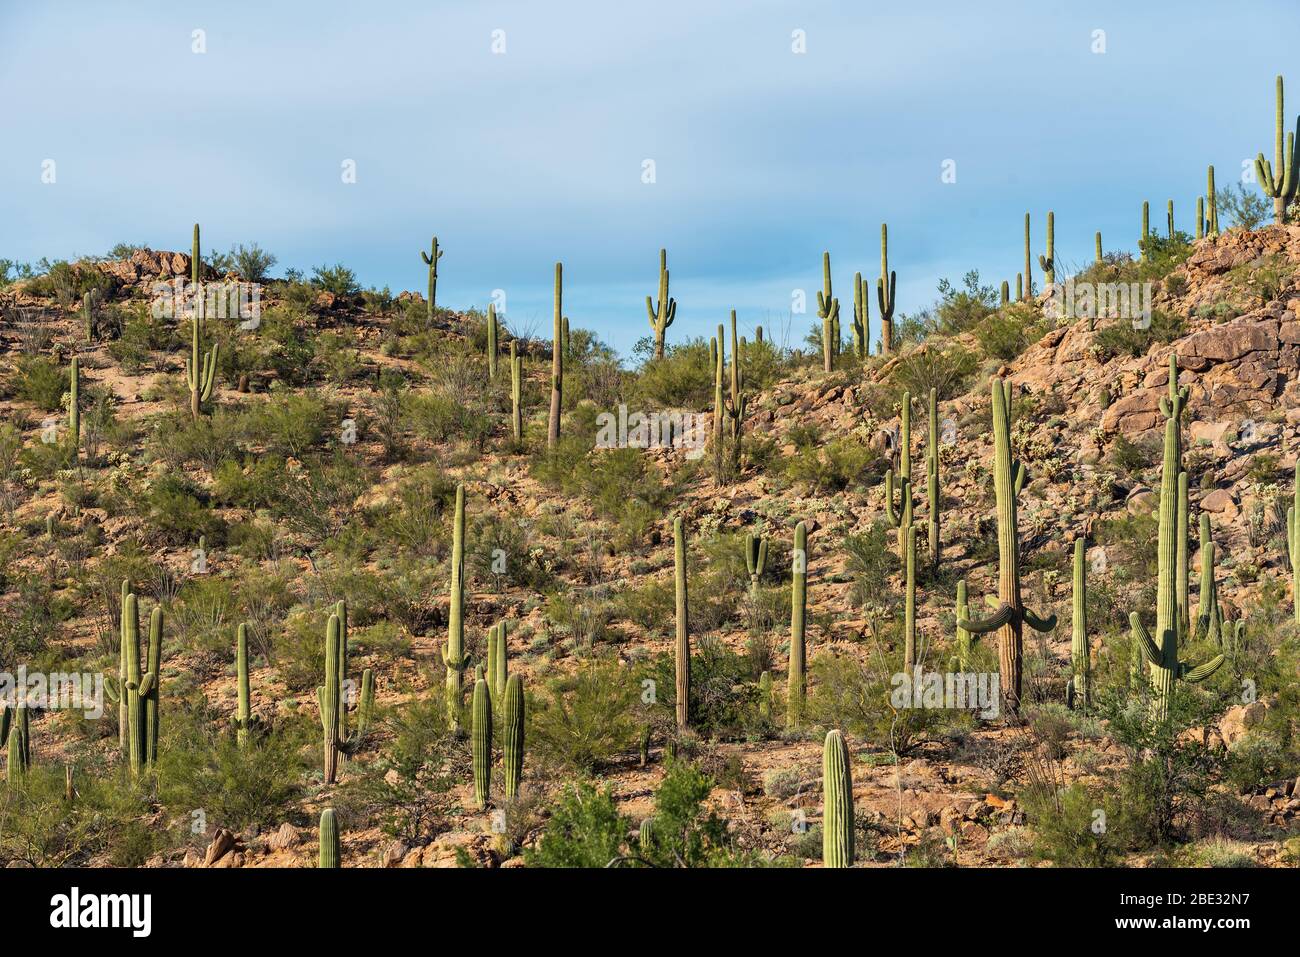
[1039,624]
[1143,638]
[1201,672]
[983,626]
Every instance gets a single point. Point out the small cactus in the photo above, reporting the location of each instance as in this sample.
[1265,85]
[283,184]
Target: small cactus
[331,847]
[664,311]
[837,803]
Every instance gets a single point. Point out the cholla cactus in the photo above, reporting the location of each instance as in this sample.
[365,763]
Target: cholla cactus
[663,312]
[1278,179]
[837,803]
[431,260]
[1011,615]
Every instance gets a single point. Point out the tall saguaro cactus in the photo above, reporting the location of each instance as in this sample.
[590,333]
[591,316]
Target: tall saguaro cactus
[861,317]
[244,714]
[329,700]
[1208,621]
[663,312]
[481,743]
[932,478]
[1278,179]
[1293,545]
[1011,615]
[516,392]
[902,518]
[196,263]
[493,333]
[16,734]
[1048,261]
[1162,655]
[557,360]
[964,637]
[512,738]
[682,656]
[1212,204]
[909,605]
[1029,264]
[837,803]
[828,310]
[151,687]
[431,260]
[201,369]
[885,287]
[74,407]
[453,655]
[1079,691]
[798,611]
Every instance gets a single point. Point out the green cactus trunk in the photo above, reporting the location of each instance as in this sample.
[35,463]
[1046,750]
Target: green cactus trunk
[885,287]
[74,406]
[932,479]
[755,561]
[837,803]
[492,334]
[1146,229]
[909,607]
[682,656]
[1048,262]
[765,696]
[327,698]
[453,655]
[1081,684]
[331,847]
[1293,546]
[16,732]
[512,738]
[152,690]
[664,311]
[244,715]
[1098,246]
[828,309]
[365,707]
[516,392]
[964,641]
[196,263]
[861,318]
[557,361]
[1029,273]
[798,609]
[1212,204]
[901,519]
[481,744]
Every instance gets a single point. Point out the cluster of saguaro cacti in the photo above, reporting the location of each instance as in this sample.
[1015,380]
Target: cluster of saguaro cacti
[331,847]
[1293,545]
[1278,179]
[885,287]
[431,260]
[682,652]
[755,560]
[481,742]
[1078,691]
[135,691]
[74,406]
[516,392]
[798,612]
[16,735]
[828,310]
[1048,261]
[453,654]
[493,333]
[663,312]
[861,318]
[902,518]
[201,369]
[557,360]
[837,803]
[1010,617]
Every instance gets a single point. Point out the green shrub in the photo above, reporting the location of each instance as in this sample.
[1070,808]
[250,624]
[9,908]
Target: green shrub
[586,719]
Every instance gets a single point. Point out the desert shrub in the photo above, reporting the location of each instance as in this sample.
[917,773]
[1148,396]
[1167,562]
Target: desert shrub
[947,369]
[40,381]
[39,828]
[843,462]
[416,519]
[1122,337]
[724,702]
[682,379]
[684,832]
[872,559]
[584,830]
[962,308]
[321,499]
[176,512]
[337,279]
[252,262]
[290,423]
[585,721]
[1011,330]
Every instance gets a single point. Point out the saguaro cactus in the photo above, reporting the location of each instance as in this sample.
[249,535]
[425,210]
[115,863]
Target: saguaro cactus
[88,302]
[901,519]
[74,407]
[1293,545]
[663,312]
[861,318]
[1098,246]
[196,263]
[1212,204]
[481,744]
[1029,264]
[1169,219]
[964,637]
[512,743]
[453,655]
[719,348]
[493,331]
[909,605]
[837,803]
[828,310]
[1011,615]
[798,610]
[735,408]
[1182,559]
[1146,228]
[244,714]
[1200,218]
[16,733]
[1048,262]
[150,687]
[1208,621]
[329,701]
[755,560]
[1162,657]
[885,286]
[431,260]
[1079,690]
[499,673]
[683,645]
[1278,179]
[932,478]
[516,392]
[134,687]
[765,696]
[201,369]
[557,361]
[331,847]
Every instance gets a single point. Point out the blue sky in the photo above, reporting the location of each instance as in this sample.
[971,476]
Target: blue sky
[763,157]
